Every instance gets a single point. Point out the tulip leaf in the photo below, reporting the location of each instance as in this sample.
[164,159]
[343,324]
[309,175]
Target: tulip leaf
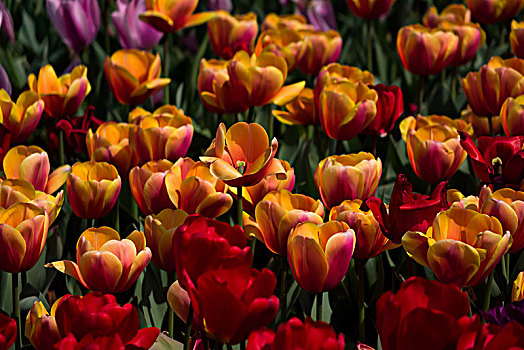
[27,34]
[163,342]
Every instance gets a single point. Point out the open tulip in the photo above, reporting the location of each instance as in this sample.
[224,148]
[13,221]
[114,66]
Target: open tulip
[285,42]
[512,114]
[134,76]
[350,176]
[165,134]
[277,214]
[300,111]
[75,131]
[461,247]
[319,49]
[516,38]
[173,15]
[62,96]
[370,9]
[22,117]
[486,11]
[319,255]
[229,34]
[390,105]
[106,263]
[426,51]
[92,189]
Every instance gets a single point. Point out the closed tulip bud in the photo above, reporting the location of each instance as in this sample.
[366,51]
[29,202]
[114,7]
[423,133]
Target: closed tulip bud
[517,292]
[134,76]
[92,189]
[487,89]
[159,231]
[179,300]
[229,34]
[320,49]
[426,51]
[276,216]
[453,13]
[40,326]
[22,117]
[516,38]
[370,9]
[350,176]
[390,105]
[486,11]
[346,109]
[370,239]
[62,96]
[300,111]
[461,247]
[76,21]
[512,114]
[283,42]
[106,263]
[319,255]
[470,38]
[23,232]
[132,32]
[7,22]
[165,134]
[32,164]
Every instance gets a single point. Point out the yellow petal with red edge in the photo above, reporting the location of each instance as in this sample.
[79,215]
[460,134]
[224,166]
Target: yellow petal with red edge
[224,171]
[157,20]
[339,250]
[246,141]
[35,169]
[288,93]
[416,245]
[70,268]
[199,18]
[215,205]
[139,239]
[251,227]
[12,248]
[99,236]
[57,178]
[101,270]
[139,264]
[47,80]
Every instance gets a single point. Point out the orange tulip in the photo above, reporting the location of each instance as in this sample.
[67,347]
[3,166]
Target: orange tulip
[173,15]
[370,239]
[22,117]
[338,72]
[300,111]
[350,176]
[134,76]
[229,34]
[284,42]
[110,143]
[512,115]
[40,326]
[426,51]
[319,49]
[165,134]
[277,214]
[516,38]
[319,255]
[487,89]
[279,22]
[32,164]
[62,96]
[23,232]
[242,156]
[92,189]
[453,13]
[106,263]
[487,11]
[159,231]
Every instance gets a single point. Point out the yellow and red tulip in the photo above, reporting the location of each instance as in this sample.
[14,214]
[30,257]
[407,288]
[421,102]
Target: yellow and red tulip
[470,38]
[488,11]
[453,13]
[284,42]
[516,38]
[319,49]
[92,189]
[293,22]
[229,34]
[350,176]
[480,125]
[40,326]
[134,76]
[300,111]
[512,115]
[106,263]
[277,214]
[22,117]
[319,255]
[62,96]
[370,9]
[461,247]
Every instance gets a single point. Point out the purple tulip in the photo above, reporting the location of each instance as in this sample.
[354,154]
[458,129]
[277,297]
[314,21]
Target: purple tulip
[76,21]
[318,12]
[4,80]
[503,314]
[6,22]
[215,5]
[132,32]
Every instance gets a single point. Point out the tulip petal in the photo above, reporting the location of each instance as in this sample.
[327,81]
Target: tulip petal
[288,93]
[101,270]
[339,250]
[416,245]
[12,248]
[70,268]
[57,178]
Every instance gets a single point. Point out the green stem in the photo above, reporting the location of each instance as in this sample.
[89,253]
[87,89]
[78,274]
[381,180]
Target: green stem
[23,276]
[250,114]
[361,306]
[189,322]
[318,141]
[319,306]
[16,310]
[171,313]
[93,222]
[61,153]
[421,79]
[166,66]
[116,215]
[283,288]
[487,296]
[134,211]
[369,45]
[453,84]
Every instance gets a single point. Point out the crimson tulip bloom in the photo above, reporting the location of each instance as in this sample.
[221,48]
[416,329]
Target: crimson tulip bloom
[75,131]
[408,211]
[390,105]
[7,331]
[370,9]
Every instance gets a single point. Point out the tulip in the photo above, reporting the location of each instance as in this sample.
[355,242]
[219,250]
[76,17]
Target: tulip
[23,232]
[165,134]
[320,49]
[370,9]
[370,239]
[502,315]
[462,246]
[276,216]
[426,51]
[62,96]
[110,143]
[512,114]
[132,32]
[159,231]
[179,301]
[475,334]
[319,255]
[517,292]
[390,105]
[148,186]
[6,22]
[243,161]
[294,22]
[95,320]
[22,117]
[8,331]
[471,38]
[4,81]
[284,42]
[408,211]
[32,164]
[300,111]
[75,131]
[486,11]
[319,13]
[295,334]
[220,5]
[76,21]
[104,262]
[497,160]
[173,15]
[5,141]
[516,38]
[487,89]
[406,319]
[229,34]
[350,176]
[92,189]
[481,125]
[453,13]
[134,76]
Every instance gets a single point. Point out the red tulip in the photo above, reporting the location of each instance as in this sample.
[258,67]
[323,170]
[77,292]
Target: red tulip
[475,334]
[7,331]
[390,105]
[75,131]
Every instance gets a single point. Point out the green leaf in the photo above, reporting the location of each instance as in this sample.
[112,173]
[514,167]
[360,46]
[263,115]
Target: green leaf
[163,342]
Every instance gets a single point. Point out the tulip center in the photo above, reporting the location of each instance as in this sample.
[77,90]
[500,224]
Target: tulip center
[241,166]
[497,166]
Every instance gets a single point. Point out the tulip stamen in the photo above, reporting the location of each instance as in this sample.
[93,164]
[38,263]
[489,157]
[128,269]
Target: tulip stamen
[241,165]
[497,165]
